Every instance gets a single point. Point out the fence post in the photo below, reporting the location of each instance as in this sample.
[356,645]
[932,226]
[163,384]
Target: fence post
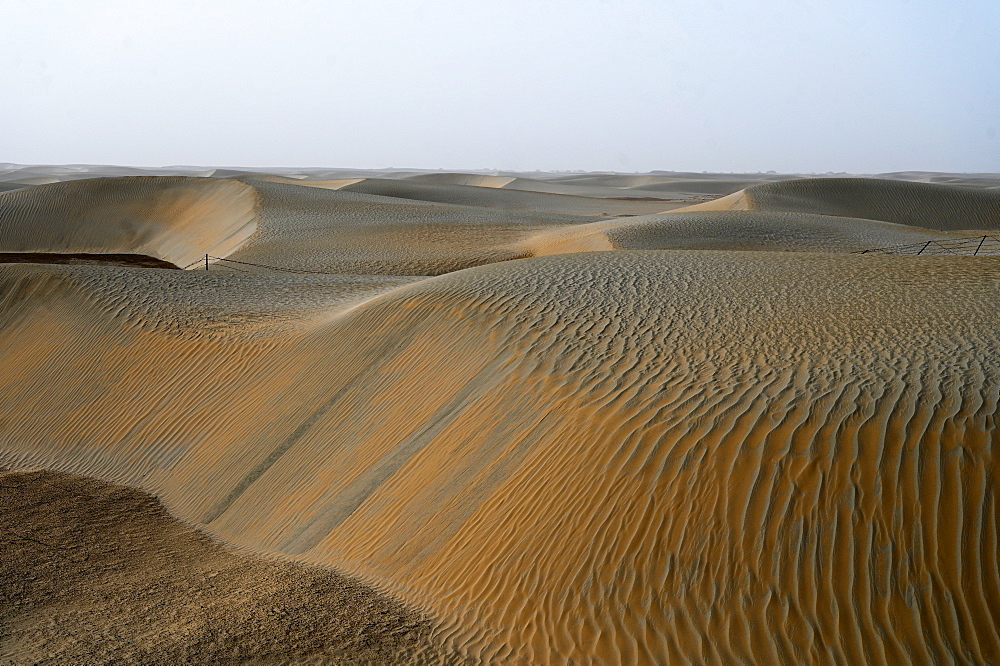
[921,249]
[981,241]
[206,262]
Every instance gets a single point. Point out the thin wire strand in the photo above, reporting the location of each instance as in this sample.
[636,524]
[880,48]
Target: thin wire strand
[273,268]
[946,245]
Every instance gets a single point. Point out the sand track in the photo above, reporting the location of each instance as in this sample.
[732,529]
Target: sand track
[686,456]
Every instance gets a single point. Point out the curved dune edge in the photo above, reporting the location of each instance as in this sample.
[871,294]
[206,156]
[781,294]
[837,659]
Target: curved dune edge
[174,218]
[138,260]
[100,573]
[928,205]
[614,457]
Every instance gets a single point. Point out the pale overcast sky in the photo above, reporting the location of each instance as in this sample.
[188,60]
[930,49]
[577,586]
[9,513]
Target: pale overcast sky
[790,85]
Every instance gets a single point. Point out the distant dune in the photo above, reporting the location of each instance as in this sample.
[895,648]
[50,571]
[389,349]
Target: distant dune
[705,436]
[932,206]
[731,230]
[477,180]
[492,197]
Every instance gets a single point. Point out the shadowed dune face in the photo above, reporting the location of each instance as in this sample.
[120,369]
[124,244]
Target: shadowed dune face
[616,457]
[97,573]
[108,258]
[927,205]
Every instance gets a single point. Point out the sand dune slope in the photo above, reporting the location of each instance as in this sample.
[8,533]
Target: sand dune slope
[928,205]
[730,230]
[176,219]
[618,457]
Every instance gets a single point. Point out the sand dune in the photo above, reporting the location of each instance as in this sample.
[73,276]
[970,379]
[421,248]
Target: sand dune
[932,206]
[670,451]
[175,219]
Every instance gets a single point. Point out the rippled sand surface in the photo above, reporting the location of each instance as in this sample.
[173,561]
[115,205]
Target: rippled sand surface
[690,446]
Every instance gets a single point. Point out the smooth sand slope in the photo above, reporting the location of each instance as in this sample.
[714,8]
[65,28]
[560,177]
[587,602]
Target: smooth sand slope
[704,456]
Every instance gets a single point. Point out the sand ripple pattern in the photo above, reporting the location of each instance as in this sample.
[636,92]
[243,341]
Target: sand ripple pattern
[620,457]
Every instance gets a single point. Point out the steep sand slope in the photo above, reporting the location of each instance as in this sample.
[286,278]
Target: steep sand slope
[176,219]
[705,456]
[730,230]
[98,574]
[932,206]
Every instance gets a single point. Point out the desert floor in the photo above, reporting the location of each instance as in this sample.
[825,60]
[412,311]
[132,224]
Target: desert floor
[401,416]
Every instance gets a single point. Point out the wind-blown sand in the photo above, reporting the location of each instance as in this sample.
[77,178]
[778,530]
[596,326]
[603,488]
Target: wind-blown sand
[661,452]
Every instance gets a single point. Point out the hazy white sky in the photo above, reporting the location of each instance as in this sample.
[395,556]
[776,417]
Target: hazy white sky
[790,85]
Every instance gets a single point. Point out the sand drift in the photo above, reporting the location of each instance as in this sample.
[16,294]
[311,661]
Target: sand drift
[544,425]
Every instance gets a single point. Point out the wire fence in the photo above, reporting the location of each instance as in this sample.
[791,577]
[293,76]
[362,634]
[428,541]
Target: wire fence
[985,245]
[234,265]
